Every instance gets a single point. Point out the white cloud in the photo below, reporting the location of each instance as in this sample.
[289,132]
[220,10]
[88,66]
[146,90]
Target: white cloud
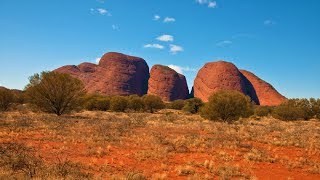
[224,43]
[115,27]
[180,69]
[269,22]
[156,17]
[202,1]
[174,49]
[101,11]
[212,4]
[155,46]
[169,19]
[97,60]
[165,38]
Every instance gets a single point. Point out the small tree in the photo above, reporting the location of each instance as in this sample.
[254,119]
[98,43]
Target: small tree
[193,105]
[135,103]
[227,106]
[153,103]
[6,99]
[118,103]
[53,92]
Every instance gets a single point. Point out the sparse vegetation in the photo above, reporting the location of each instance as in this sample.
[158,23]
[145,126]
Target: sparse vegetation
[54,92]
[227,106]
[171,143]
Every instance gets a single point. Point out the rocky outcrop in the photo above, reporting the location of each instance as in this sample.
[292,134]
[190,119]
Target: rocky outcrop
[116,74]
[221,75]
[167,83]
[267,94]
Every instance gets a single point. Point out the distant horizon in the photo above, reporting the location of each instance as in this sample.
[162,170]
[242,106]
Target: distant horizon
[277,41]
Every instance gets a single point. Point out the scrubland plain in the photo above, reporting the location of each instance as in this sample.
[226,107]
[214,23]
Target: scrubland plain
[168,144]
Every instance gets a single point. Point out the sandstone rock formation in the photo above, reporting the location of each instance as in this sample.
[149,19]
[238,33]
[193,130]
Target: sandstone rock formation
[116,74]
[221,75]
[167,83]
[267,94]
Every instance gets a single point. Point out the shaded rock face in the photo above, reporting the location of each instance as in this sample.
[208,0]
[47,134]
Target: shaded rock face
[167,83]
[267,94]
[221,75]
[116,74]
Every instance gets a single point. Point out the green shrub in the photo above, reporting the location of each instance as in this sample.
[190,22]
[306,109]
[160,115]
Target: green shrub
[193,105]
[152,103]
[118,103]
[177,104]
[53,92]
[294,109]
[6,99]
[262,111]
[135,103]
[97,102]
[227,106]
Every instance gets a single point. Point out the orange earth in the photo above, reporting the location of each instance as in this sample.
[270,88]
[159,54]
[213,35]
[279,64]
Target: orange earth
[169,145]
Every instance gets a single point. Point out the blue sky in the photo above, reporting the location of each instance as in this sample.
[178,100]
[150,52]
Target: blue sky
[276,40]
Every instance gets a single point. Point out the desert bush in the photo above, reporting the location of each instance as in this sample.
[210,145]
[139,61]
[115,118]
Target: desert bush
[177,104]
[135,103]
[315,107]
[227,106]
[193,105]
[152,103]
[118,103]
[262,111]
[294,109]
[96,102]
[53,92]
[6,99]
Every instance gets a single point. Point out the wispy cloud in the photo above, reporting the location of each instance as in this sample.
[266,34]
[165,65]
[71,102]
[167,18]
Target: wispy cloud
[174,49]
[169,19]
[101,11]
[115,27]
[269,22]
[165,38]
[180,69]
[154,46]
[210,4]
[97,60]
[156,17]
[224,43]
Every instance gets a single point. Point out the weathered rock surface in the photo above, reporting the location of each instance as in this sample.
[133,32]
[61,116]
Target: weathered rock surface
[167,83]
[267,94]
[116,74]
[221,75]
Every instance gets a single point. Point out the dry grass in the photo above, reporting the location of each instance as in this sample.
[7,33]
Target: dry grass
[166,145]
